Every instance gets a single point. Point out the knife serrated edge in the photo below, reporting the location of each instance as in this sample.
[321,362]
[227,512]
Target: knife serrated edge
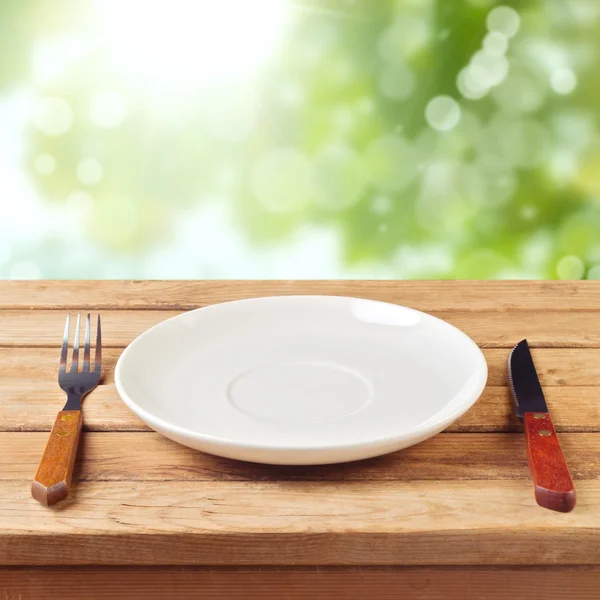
[510,377]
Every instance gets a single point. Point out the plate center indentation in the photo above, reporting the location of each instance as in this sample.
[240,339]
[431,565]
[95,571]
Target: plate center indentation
[300,392]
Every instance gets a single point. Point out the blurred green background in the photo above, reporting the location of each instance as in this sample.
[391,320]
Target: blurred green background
[299,138]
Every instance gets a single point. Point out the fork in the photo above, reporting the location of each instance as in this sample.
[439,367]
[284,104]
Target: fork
[53,478]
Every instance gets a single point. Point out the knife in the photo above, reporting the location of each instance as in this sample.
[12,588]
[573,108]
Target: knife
[553,485]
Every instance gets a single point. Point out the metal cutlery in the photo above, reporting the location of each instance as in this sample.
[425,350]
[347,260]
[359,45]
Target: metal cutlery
[53,478]
[553,484]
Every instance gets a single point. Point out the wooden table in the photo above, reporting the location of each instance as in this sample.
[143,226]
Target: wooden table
[453,517]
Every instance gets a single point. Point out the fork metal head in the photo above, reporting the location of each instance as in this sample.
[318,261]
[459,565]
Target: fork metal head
[76,381]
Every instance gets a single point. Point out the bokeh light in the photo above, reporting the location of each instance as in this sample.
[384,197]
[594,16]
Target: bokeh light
[495,43]
[283,181]
[186,42]
[397,82]
[521,92]
[90,171]
[45,164]
[563,81]
[53,116]
[504,20]
[442,113]
[570,267]
[391,163]
[339,177]
[524,143]
[107,109]
[294,138]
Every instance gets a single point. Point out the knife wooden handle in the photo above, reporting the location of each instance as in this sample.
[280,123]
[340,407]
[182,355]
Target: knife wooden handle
[53,478]
[553,485]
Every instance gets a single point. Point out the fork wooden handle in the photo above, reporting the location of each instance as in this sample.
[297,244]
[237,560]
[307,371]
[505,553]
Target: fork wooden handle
[53,478]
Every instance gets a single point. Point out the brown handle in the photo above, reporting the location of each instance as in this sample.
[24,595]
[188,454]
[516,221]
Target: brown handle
[53,478]
[553,485]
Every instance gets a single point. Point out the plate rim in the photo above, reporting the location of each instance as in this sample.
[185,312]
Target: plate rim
[421,432]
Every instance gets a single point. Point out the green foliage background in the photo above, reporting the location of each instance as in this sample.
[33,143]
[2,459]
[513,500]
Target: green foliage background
[166,166]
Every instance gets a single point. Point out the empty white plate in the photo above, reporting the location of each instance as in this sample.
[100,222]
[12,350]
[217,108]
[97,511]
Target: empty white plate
[301,379]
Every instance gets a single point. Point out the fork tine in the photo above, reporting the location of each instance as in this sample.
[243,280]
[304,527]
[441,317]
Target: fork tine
[75,361]
[65,346]
[98,365]
[86,347]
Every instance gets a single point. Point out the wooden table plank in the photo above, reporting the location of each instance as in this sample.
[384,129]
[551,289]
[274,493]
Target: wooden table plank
[457,499]
[300,583]
[44,328]
[19,328]
[22,365]
[297,523]
[184,295]
[151,457]
[555,366]
[32,406]
[574,409]
[31,397]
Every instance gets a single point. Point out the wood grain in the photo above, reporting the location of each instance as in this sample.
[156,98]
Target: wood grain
[297,523]
[183,295]
[549,329]
[555,366]
[151,457]
[299,583]
[41,364]
[462,498]
[32,406]
[495,410]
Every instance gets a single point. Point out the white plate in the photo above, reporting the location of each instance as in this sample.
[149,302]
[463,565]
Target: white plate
[301,379]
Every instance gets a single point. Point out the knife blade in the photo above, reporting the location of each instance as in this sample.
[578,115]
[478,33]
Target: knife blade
[553,484]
